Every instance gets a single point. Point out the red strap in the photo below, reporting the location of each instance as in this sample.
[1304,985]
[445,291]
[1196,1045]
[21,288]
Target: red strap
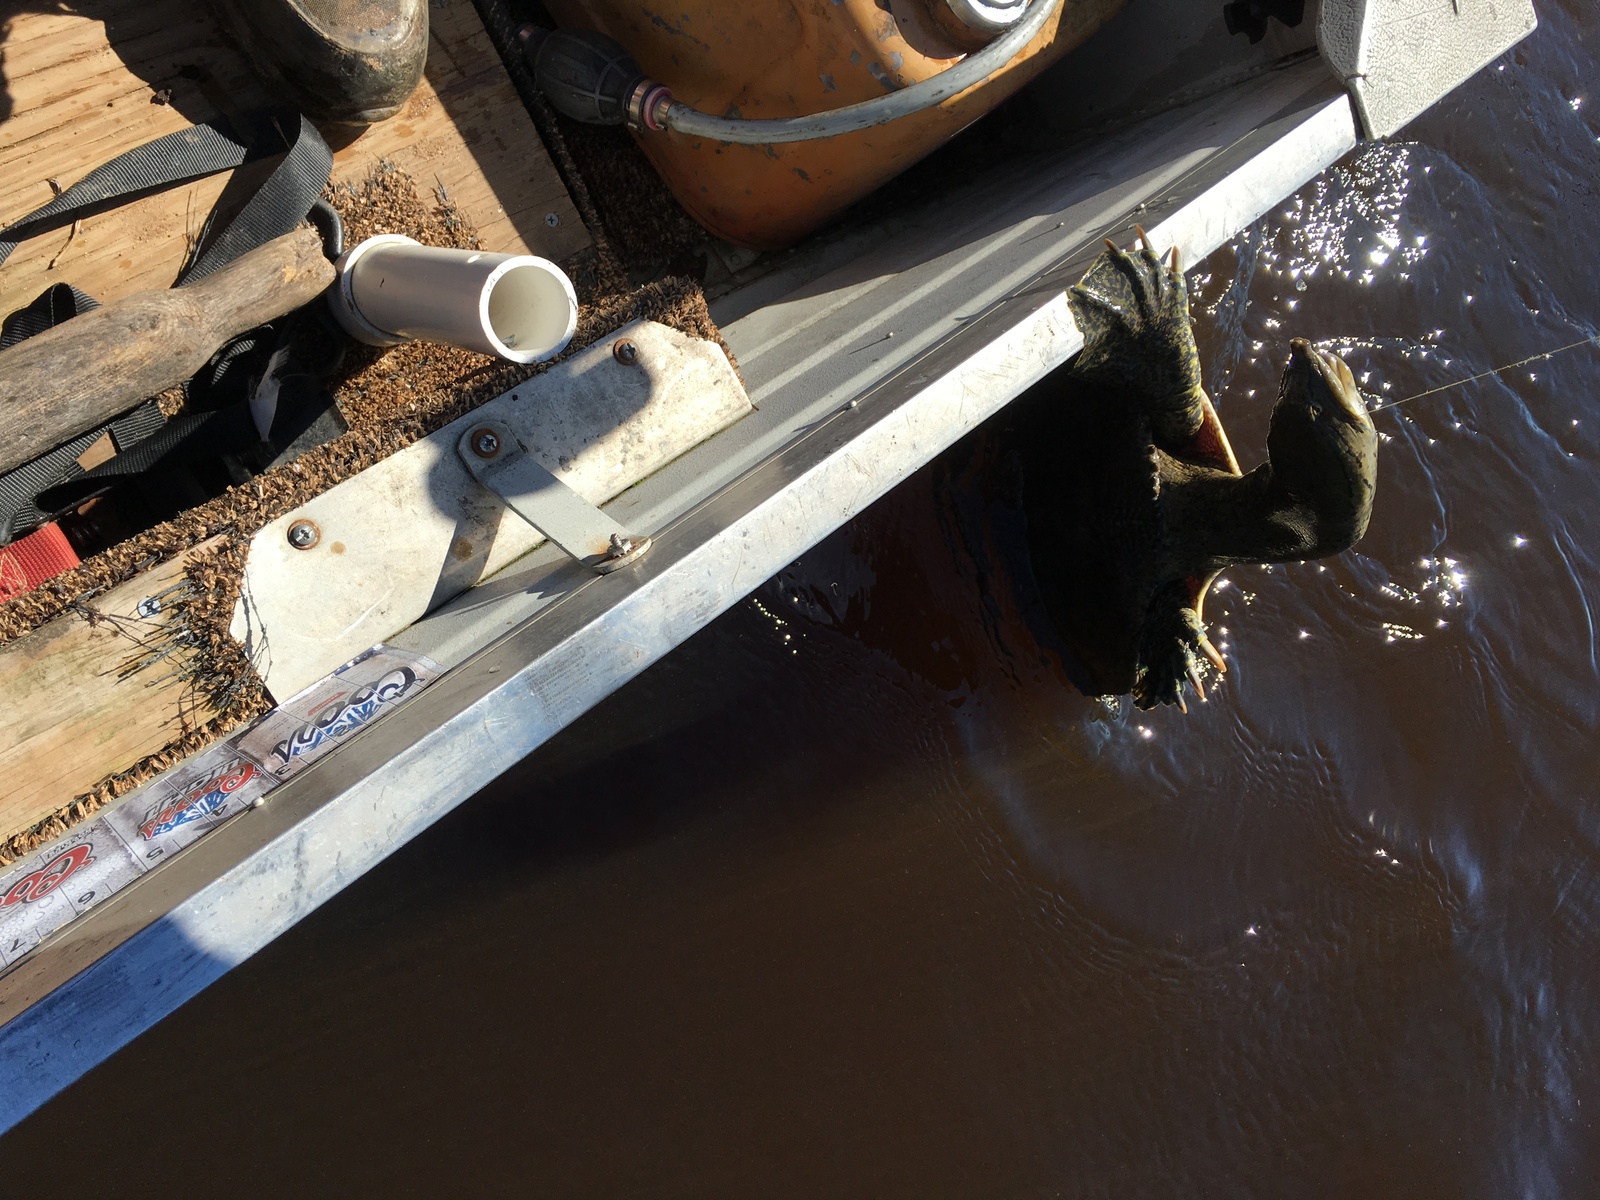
[29,561]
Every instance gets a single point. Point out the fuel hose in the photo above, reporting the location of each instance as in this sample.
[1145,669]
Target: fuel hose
[591,78]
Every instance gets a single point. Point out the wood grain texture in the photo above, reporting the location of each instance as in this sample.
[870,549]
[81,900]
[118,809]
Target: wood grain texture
[58,383]
[79,87]
[465,131]
[69,717]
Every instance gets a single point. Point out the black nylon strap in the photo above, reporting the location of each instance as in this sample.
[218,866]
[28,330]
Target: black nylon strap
[186,439]
[52,306]
[128,430]
[281,203]
[32,493]
[200,437]
[193,153]
[188,154]
[20,487]
[22,509]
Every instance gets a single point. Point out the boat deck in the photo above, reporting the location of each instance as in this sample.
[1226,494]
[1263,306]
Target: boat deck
[978,314]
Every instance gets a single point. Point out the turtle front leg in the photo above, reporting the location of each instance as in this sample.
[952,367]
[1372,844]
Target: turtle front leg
[1133,312]
[1173,650]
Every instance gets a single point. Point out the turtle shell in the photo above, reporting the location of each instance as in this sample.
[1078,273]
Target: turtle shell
[1091,489]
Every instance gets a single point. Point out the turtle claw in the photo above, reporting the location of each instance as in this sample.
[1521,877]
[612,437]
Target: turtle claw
[1172,653]
[1174,262]
[1133,312]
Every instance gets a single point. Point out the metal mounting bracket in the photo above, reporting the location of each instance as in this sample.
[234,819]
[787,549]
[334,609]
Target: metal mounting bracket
[501,463]
[1398,57]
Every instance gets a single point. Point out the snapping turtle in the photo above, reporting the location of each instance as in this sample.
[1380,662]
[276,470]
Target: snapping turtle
[1134,499]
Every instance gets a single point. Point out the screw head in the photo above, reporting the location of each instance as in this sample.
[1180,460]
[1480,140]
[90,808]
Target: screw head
[551,219]
[625,351]
[304,534]
[485,444]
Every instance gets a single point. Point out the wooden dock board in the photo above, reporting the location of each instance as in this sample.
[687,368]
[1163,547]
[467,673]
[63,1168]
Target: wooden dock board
[70,715]
[76,90]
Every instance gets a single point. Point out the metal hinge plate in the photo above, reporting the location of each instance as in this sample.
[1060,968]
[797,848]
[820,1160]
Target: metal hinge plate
[502,464]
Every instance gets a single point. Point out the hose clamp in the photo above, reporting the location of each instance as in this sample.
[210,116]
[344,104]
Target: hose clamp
[647,104]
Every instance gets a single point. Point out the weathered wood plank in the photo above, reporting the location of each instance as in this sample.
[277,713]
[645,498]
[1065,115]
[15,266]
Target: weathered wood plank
[66,380]
[459,133]
[69,718]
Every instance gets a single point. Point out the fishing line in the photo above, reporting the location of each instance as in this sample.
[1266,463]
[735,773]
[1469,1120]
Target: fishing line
[1521,362]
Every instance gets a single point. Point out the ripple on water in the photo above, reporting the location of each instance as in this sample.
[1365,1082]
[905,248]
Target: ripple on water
[1404,751]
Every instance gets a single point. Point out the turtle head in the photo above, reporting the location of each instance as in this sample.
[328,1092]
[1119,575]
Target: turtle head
[1323,449]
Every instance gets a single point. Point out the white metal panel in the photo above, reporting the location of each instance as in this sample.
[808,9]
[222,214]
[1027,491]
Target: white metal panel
[402,537]
[1398,57]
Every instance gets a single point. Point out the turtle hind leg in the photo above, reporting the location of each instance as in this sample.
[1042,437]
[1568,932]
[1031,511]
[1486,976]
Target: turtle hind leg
[1133,312]
[1173,650]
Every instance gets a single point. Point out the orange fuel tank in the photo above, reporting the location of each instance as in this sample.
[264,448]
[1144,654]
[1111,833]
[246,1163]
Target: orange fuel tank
[760,59]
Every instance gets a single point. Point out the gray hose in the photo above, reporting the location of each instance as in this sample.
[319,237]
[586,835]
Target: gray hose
[869,113]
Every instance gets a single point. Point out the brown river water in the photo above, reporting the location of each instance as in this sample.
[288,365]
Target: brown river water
[856,896]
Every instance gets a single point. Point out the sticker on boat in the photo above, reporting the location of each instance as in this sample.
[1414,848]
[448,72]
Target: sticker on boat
[64,879]
[308,725]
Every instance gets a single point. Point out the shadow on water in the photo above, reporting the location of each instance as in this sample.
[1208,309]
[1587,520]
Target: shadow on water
[858,895]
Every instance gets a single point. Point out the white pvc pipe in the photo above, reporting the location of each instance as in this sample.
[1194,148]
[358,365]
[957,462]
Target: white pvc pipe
[390,289]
